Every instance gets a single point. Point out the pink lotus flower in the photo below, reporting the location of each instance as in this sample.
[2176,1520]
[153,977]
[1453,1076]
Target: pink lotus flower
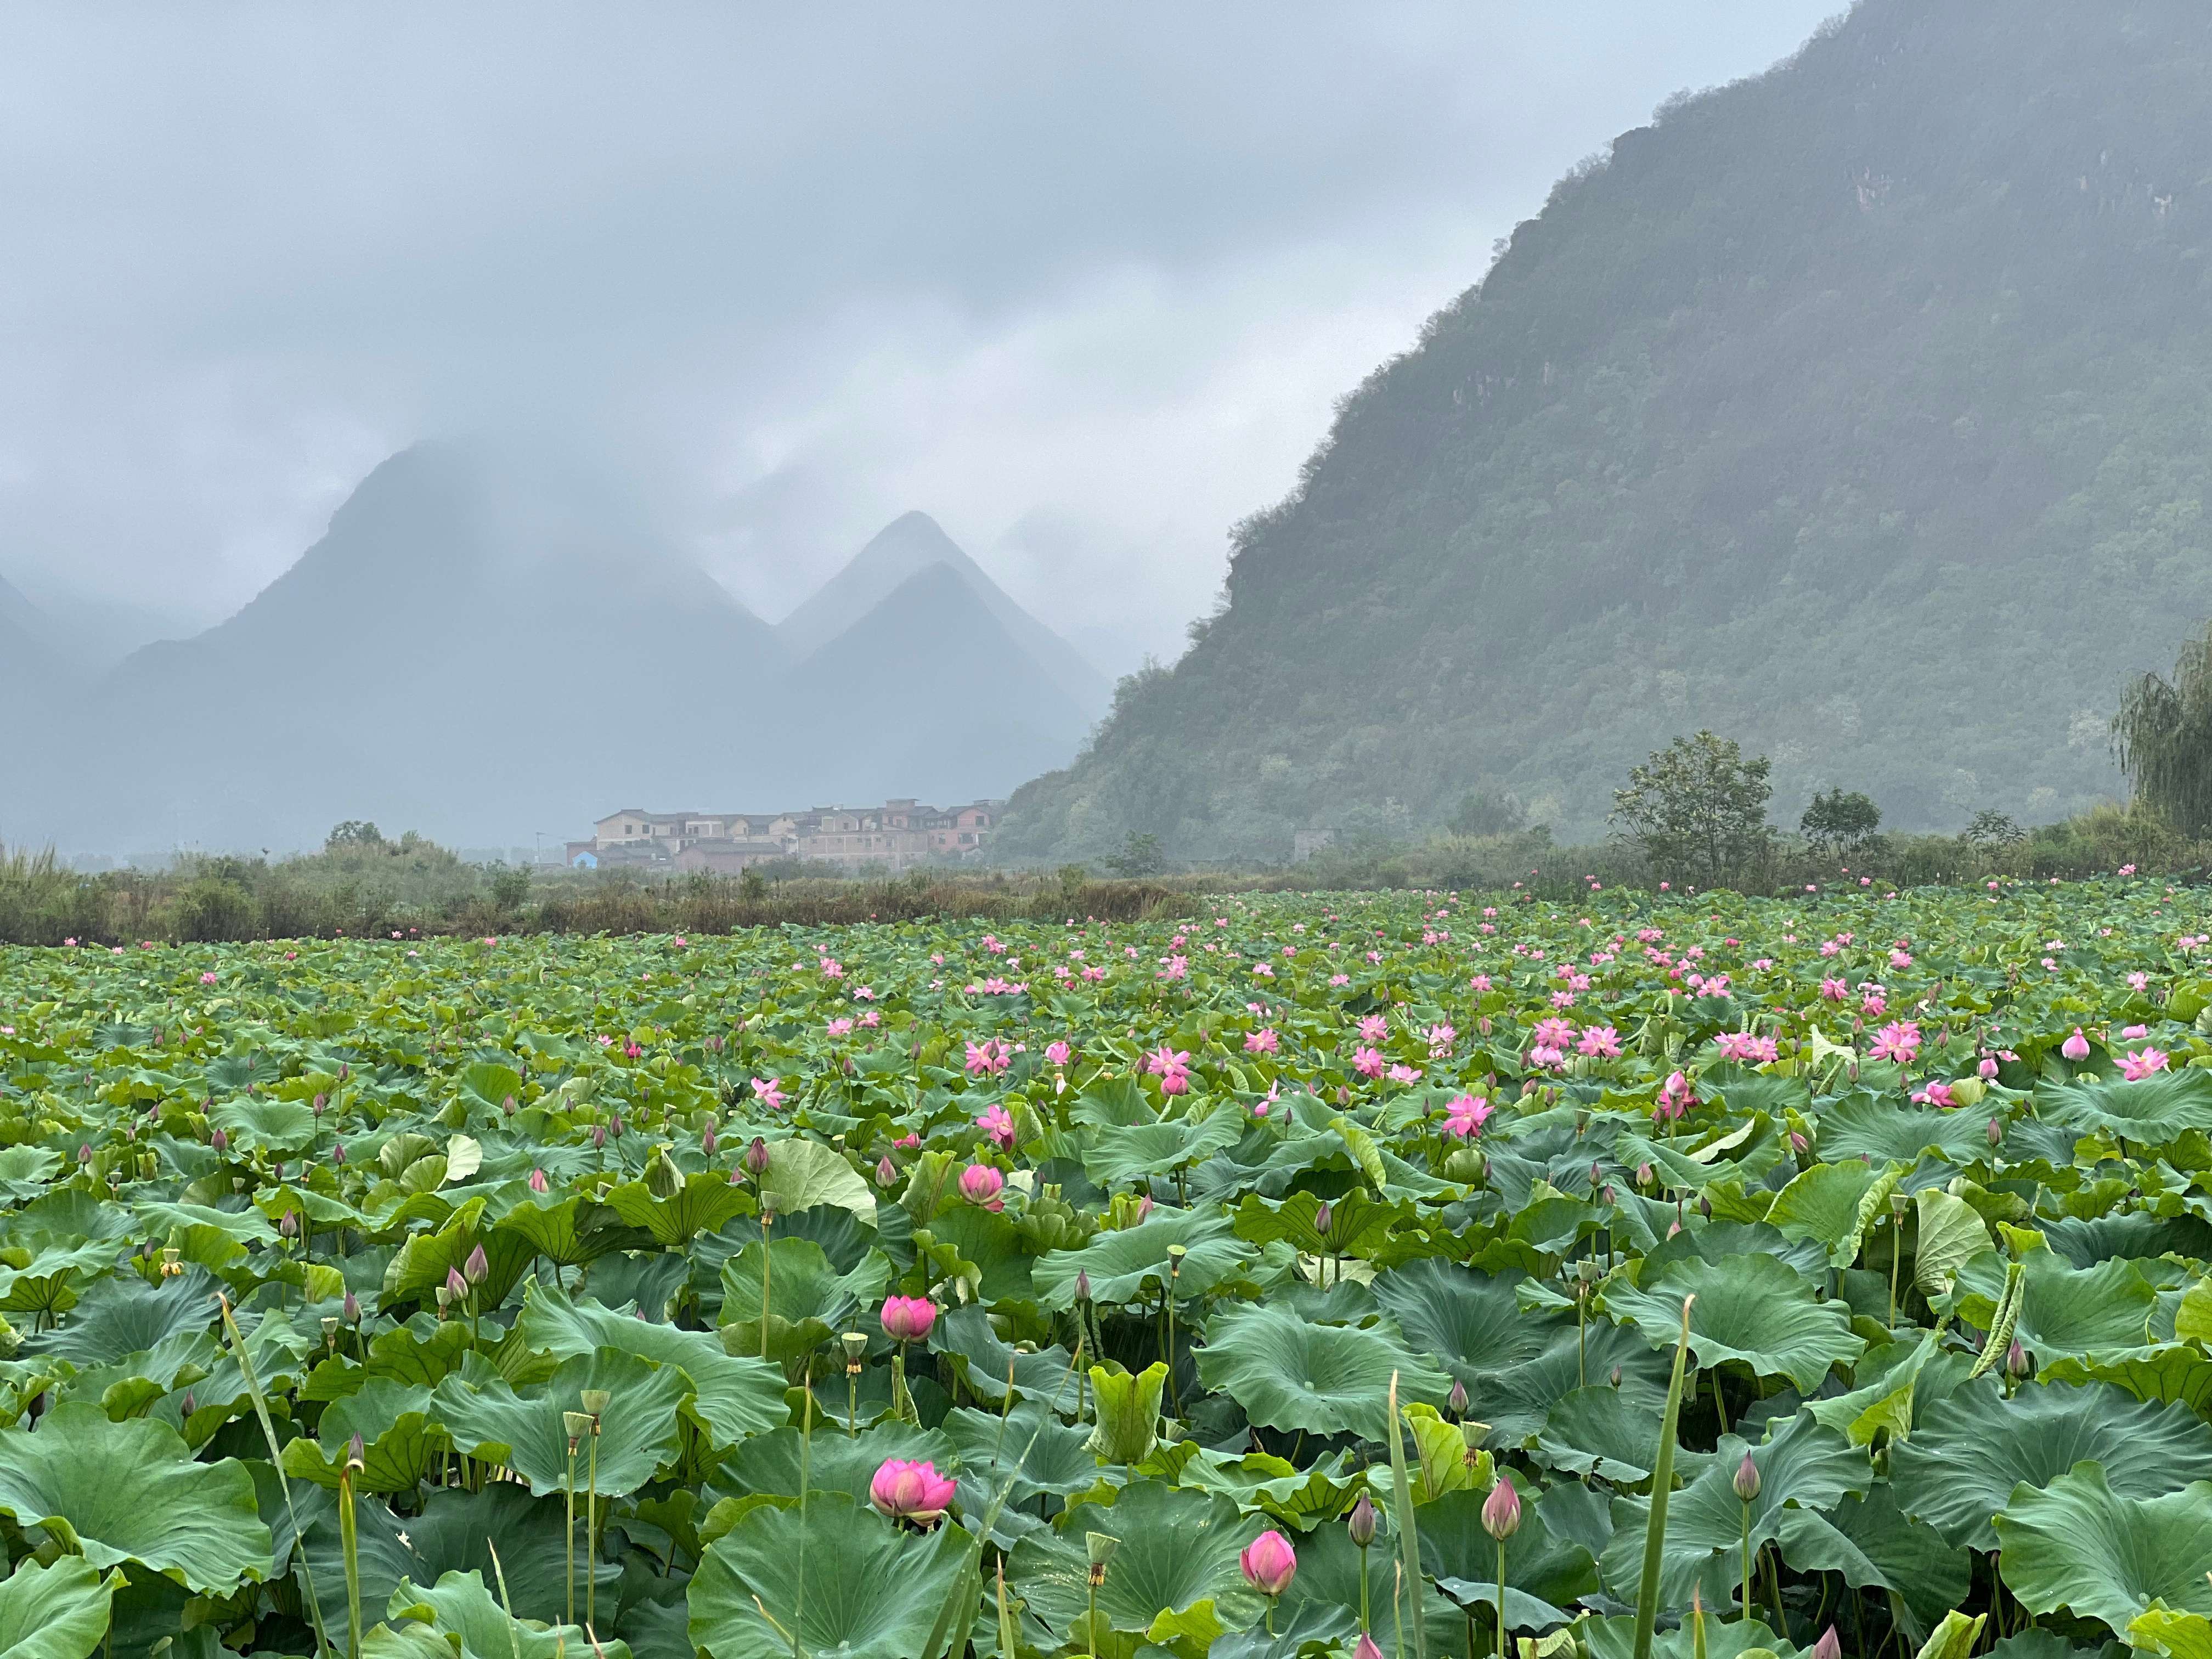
[988,1058]
[837,1028]
[1057,1052]
[1404,1073]
[2131,1033]
[2076,1048]
[1899,1040]
[911,1492]
[2138,980]
[1368,1062]
[907,1318]
[1552,1034]
[1834,989]
[1268,1562]
[1501,1511]
[1374,1028]
[1600,1043]
[980,1183]
[770,1091]
[996,1122]
[537,1181]
[1465,1115]
[1936,1094]
[2136,1066]
[1262,1041]
[1440,1038]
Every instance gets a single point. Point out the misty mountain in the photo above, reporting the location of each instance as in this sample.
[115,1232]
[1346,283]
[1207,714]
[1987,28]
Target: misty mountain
[910,544]
[1861,411]
[30,667]
[488,643]
[932,669]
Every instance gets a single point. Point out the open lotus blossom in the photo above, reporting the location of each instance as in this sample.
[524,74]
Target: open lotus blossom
[1899,1040]
[1465,1115]
[997,1123]
[911,1492]
[2137,1065]
[1268,1562]
[1599,1042]
[1261,1041]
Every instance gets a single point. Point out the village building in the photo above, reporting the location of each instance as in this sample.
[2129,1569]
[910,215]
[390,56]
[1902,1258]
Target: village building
[897,834]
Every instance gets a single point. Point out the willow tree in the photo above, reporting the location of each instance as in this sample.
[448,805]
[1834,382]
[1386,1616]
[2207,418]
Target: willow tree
[2163,733]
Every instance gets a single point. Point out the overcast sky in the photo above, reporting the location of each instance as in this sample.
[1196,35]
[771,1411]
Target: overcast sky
[1082,281]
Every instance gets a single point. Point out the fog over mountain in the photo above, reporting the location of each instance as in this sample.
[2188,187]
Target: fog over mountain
[490,641]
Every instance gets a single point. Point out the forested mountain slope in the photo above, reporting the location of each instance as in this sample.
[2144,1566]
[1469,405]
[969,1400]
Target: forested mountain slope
[1863,410]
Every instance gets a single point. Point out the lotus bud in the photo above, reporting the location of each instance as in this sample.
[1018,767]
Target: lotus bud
[886,1172]
[911,1492]
[1644,1174]
[1361,1522]
[84,1154]
[1988,1068]
[1456,1402]
[708,1141]
[615,1125]
[2017,1360]
[1268,1562]
[1828,1647]
[457,1287]
[344,1071]
[909,1318]
[1747,1479]
[1144,1209]
[1996,1132]
[189,1403]
[218,1139]
[1616,1378]
[288,1225]
[338,1152]
[982,1183]
[1082,1286]
[351,1309]
[477,1268]
[1100,1547]
[537,1181]
[662,1178]
[1798,1144]
[756,1158]
[598,1135]
[2076,1048]
[1501,1511]
[357,1455]
[1366,1649]
[1324,1218]
[506,1106]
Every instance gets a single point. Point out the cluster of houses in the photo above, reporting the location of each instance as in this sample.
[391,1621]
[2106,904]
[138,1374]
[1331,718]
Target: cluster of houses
[895,834]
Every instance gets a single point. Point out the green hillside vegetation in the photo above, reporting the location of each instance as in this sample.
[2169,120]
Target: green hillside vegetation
[1863,410]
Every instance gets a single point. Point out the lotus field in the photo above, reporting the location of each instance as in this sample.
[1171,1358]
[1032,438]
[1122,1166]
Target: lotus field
[1303,1276]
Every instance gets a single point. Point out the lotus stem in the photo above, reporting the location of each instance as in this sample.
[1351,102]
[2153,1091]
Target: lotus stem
[806,1480]
[1501,1598]
[578,1424]
[1663,1479]
[350,1546]
[1409,1543]
[1747,1563]
[764,1268]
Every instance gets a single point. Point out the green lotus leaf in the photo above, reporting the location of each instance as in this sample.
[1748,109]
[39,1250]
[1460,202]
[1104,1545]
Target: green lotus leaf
[256,1122]
[25,1170]
[1053,1457]
[1802,1465]
[983,1361]
[1950,1236]
[1132,1155]
[484,1086]
[2152,1112]
[2159,1629]
[1873,1545]
[1974,1450]
[425,1260]
[2062,1309]
[125,1314]
[129,1493]
[1131,1264]
[731,1397]
[568,1229]
[1177,1554]
[1318,1379]
[48,1282]
[2166,1371]
[526,1432]
[1128,1411]
[457,1531]
[2078,1545]
[706,1201]
[1752,1310]
[1869,1125]
[58,1612]
[802,1174]
[1469,1322]
[402,1439]
[1545,1573]
[1612,1433]
[1724,1638]
[769,1464]
[462,1605]
[802,1284]
[1894,1380]
[1821,1203]
[841,1581]
[1518,1401]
